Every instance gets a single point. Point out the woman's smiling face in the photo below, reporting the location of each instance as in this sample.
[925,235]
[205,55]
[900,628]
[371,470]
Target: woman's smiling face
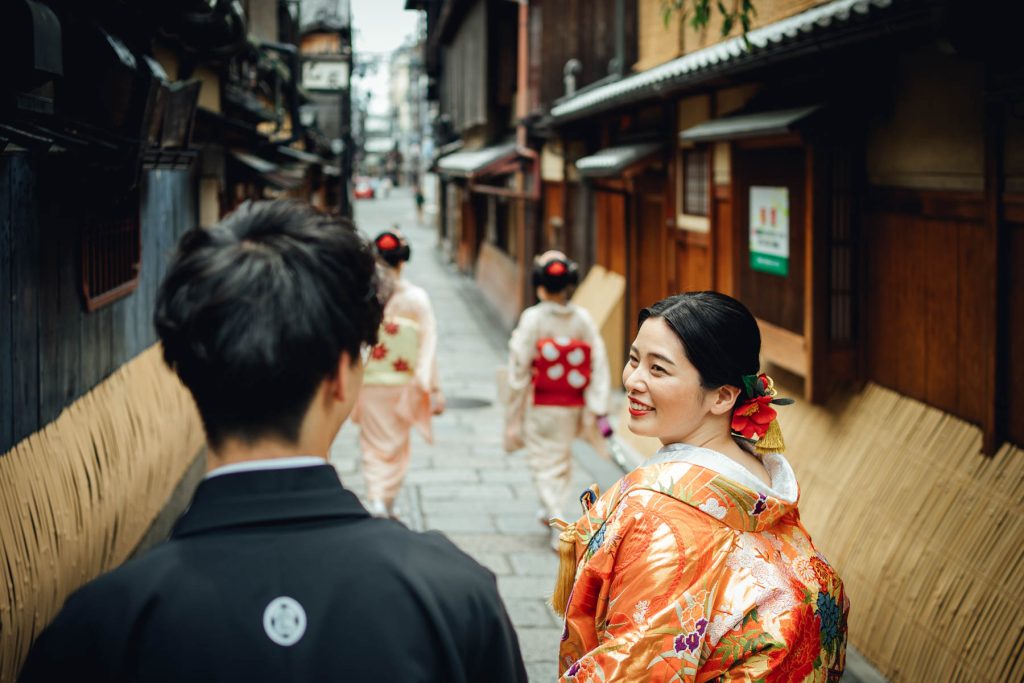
[666,399]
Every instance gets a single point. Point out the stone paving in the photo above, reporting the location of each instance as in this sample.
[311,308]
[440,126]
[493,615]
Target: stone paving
[464,484]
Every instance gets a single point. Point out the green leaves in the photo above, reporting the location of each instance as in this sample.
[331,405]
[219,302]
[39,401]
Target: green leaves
[699,11]
[737,647]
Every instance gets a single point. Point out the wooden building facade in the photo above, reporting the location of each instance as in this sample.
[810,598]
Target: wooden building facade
[853,170]
[122,126]
[861,197]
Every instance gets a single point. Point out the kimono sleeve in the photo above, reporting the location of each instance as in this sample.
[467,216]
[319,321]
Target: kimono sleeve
[521,350]
[78,645]
[502,661]
[426,363]
[642,626]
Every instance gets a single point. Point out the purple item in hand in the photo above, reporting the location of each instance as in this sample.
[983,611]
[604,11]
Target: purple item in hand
[604,426]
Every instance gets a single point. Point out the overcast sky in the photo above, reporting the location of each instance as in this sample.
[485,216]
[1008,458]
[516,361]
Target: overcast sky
[380,26]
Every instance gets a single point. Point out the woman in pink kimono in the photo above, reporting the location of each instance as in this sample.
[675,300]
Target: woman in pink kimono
[695,566]
[558,383]
[400,387]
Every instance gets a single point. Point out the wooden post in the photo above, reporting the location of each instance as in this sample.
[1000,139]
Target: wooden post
[996,361]
[816,289]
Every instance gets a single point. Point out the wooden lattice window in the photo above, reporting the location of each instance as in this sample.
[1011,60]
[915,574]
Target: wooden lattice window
[695,181]
[111,252]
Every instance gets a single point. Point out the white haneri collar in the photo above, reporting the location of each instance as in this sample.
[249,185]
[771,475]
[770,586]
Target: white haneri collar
[783,487]
[285,463]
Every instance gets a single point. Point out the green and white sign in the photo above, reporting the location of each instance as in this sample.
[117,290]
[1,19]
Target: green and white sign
[769,229]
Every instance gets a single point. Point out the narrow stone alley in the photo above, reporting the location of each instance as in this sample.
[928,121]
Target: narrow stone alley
[464,484]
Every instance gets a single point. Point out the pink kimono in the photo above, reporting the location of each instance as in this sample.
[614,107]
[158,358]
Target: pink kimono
[554,349]
[397,383]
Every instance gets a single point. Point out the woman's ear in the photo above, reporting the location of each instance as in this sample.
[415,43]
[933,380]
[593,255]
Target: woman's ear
[725,398]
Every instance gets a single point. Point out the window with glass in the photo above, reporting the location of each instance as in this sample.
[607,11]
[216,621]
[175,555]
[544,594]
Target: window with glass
[695,181]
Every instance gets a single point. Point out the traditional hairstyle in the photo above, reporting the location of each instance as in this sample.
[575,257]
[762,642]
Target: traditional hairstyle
[556,272]
[718,334]
[392,247]
[722,340]
[255,312]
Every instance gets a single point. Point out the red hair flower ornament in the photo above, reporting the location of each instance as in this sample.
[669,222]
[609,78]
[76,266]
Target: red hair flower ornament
[387,243]
[754,419]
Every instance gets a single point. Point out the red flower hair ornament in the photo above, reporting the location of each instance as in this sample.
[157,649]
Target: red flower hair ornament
[555,268]
[754,419]
[387,243]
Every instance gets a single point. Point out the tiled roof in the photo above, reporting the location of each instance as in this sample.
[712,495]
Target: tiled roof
[614,160]
[764,41]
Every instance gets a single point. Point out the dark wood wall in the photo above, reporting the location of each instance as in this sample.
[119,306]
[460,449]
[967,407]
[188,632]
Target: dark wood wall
[929,258]
[464,83]
[585,30]
[51,350]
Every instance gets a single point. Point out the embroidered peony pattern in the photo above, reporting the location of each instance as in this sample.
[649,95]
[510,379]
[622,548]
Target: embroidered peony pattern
[733,589]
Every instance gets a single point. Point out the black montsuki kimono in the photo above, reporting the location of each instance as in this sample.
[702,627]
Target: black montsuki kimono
[282,575]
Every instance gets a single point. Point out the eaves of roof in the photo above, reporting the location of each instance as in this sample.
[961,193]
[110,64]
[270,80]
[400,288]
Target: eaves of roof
[813,29]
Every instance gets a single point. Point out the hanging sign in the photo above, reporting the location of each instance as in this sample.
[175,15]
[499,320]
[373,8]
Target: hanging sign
[769,230]
[325,75]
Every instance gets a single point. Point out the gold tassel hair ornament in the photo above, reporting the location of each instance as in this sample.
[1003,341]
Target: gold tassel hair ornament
[566,565]
[754,419]
[567,551]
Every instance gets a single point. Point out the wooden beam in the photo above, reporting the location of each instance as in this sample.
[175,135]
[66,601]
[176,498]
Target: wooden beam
[783,348]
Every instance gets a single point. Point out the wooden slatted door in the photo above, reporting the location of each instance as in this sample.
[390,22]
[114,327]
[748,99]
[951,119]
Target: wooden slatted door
[650,253]
[769,187]
[610,224]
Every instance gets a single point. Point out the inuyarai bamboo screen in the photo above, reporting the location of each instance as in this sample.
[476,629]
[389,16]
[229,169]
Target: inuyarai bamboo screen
[927,533]
[79,494]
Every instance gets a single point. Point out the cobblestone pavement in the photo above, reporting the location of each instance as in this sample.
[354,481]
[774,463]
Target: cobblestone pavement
[464,484]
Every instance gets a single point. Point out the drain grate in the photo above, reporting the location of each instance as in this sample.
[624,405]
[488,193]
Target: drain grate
[465,402]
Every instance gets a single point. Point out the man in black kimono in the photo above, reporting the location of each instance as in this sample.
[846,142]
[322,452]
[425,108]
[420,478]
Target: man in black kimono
[276,572]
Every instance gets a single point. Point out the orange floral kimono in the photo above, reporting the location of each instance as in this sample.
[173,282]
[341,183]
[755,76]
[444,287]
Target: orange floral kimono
[692,569]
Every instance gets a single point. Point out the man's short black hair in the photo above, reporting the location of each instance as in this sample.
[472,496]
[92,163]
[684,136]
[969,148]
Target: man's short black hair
[255,312]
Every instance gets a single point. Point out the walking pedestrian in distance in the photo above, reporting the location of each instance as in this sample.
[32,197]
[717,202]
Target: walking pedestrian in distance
[695,566]
[400,385]
[418,196]
[276,572]
[558,382]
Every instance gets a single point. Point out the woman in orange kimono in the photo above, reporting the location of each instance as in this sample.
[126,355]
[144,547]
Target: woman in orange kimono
[400,387]
[695,566]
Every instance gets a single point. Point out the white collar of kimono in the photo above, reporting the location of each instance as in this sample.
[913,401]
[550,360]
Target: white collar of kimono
[783,487]
[268,464]
[562,308]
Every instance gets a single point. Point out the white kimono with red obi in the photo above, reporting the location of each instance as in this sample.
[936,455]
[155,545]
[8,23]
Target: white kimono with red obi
[558,384]
[397,383]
